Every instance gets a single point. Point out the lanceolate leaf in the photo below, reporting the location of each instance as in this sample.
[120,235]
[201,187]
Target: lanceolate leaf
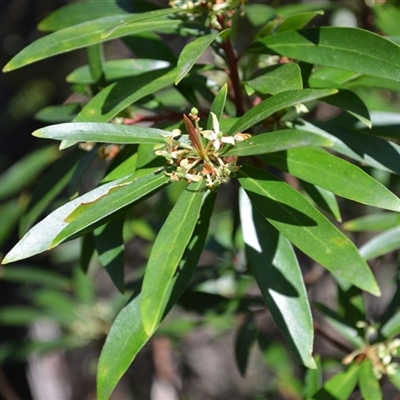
[354,49]
[349,101]
[167,252]
[218,105]
[369,384]
[76,13]
[191,53]
[40,238]
[272,142]
[19,175]
[373,222]
[127,335]
[298,21]
[290,213]
[110,248]
[381,244]
[323,198]
[86,34]
[102,133]
[274,265]
[342,326]
[117,96]
[245,338]
[340,386]
[117,69]
[276,103]
[360,146]
[277,78]
[334,174]
[89,213]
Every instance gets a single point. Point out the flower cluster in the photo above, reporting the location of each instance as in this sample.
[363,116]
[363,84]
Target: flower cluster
[193,9]
[199,155]
[379,354]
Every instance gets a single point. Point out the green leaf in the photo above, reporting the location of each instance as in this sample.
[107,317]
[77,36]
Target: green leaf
[90,213]
[334,174]
[259,14]
[40,237]
[340,386]
[292,9]
[324,199]
[395,379]
[387,18]
[117,96]
[313,379]
[272,142]
[381,244]
[83,286]
[341,325]
[167,252]
[11,213]
[127,335]
[23,172]
[54,114]
[277,78]
[109,245]
[355,49]
[275,268]
[391,327]
[95,54]
[331,77]
[298,21]
[373,222]
[276,103]
[132,19]
[102,133]
[373,83]
[245,338]
[76,13]
[369,385]
[89,33]
[51,185]
[32,275]
[349,101]
[19,316]
[191,53]
[218,105]
[117,69]
[351,302]
[360,146]
[290,213]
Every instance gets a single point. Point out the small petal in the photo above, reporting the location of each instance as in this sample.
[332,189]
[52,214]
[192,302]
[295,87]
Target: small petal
[228,139]
[209,135]
[215,122]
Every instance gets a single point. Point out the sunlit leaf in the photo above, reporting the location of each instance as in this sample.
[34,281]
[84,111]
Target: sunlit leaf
[334,174]
[272,142]
[355,49]
[127,335]
[340,386]
[290,213]
[102,133]
[276,103]
[369,385]
[191,53]
[274,265]
[277,78]
[167,252]
[89,33]
[381,244]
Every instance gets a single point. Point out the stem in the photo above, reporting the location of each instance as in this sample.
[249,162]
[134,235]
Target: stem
[233,70]
[234,74]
